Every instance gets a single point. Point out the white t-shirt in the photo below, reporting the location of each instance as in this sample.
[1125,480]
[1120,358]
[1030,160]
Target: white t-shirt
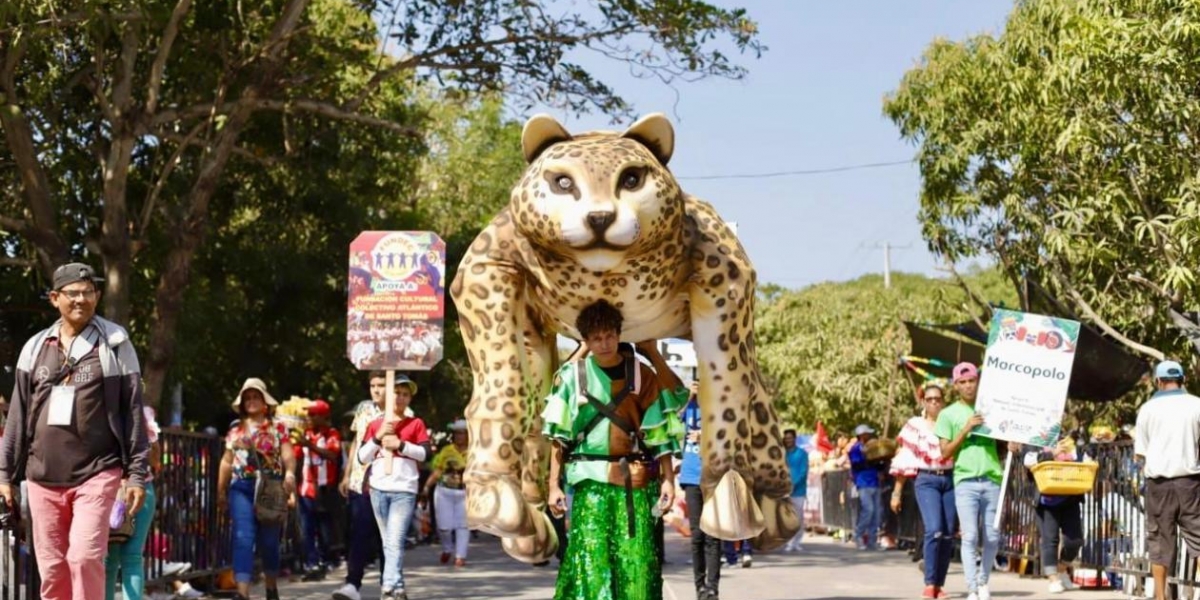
[1168,434]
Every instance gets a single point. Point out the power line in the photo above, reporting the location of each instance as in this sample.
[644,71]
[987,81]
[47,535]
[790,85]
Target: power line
[802,171]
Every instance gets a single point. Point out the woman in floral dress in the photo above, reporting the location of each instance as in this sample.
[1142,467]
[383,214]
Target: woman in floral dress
[255,442]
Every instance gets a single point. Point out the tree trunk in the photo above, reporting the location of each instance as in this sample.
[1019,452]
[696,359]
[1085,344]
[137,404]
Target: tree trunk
[42,228]
[115,237]
[173,280]
[172,283]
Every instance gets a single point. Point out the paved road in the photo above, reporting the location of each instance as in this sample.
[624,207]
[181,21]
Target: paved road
[825,570]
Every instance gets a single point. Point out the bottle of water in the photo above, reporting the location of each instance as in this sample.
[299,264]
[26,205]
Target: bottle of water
[117,517]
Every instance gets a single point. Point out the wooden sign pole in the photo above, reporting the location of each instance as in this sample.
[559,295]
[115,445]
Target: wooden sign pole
[389,409]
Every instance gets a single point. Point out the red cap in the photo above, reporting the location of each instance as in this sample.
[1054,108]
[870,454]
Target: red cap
[320,407]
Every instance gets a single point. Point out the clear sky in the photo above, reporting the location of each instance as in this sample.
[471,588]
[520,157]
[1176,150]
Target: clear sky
[814,100]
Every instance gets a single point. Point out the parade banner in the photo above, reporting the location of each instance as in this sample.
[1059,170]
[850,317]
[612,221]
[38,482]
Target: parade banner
[396,301]
[1025,375]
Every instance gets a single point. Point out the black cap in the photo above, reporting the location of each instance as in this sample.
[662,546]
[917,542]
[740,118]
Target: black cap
[72,272]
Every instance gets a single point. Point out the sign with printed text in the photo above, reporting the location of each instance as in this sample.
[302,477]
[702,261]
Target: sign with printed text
[1026,372]
[396,300]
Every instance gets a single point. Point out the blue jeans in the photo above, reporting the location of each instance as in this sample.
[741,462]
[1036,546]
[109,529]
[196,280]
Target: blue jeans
[732,550]
[393,514]
[316,526]
[935,497]
[868,517]
[249,536]
[976,499]
[128,557]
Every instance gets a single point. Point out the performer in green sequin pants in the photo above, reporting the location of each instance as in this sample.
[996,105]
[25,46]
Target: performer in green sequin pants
[602,561]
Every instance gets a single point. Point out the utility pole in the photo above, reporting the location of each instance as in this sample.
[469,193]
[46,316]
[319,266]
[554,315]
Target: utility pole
[887,266]
[887,261]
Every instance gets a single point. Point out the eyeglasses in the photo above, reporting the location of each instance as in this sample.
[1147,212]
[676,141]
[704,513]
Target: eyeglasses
[78,294]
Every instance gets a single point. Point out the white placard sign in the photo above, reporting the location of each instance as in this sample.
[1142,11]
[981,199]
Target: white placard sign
[1025,376]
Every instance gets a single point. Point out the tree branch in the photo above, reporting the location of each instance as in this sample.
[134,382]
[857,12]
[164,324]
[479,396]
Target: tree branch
[123,88]
[164,51]
[173,280]
[42,230]
[75,18]
[168,168]
[6,261]
[191,141]
[414,60]
[12,224]
[1175,300]
[1086,310]
[333,112]
[323,109]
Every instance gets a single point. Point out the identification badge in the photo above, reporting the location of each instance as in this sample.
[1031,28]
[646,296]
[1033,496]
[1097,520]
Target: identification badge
[62,405]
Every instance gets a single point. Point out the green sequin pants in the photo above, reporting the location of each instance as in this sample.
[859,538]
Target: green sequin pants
[602,561]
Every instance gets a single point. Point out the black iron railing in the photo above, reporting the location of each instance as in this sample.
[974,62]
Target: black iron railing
[1114,519]
[187,526]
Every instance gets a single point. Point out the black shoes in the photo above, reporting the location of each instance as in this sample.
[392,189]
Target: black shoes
[272,593]
[316,573]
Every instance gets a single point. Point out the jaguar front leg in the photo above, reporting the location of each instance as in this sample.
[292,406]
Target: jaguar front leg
[487,292]
[541,363]
[745,477]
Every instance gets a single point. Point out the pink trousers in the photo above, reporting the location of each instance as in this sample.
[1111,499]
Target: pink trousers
[70,535]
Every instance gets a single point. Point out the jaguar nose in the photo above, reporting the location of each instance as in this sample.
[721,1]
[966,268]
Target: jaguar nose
[600,220]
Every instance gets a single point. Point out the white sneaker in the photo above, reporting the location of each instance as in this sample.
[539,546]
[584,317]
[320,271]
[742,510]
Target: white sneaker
[171,569]
[984,593]
[973,596]
[747,561]
[1056,586]
[1066,582]
[187,592]
[347,592]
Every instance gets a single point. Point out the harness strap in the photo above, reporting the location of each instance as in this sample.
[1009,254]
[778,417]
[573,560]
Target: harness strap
[609,411]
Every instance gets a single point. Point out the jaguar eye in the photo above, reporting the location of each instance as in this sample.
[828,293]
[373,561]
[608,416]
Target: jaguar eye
[631,179]
[564,182]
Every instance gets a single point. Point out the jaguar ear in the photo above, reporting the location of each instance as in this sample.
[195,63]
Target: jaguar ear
[541,132]
[655,132]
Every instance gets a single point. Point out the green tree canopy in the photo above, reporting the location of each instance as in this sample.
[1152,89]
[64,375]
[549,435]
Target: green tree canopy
[1067,149]
[830,351]
[140,131]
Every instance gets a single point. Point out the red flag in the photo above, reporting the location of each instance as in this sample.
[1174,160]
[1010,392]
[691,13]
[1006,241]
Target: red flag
[822,439]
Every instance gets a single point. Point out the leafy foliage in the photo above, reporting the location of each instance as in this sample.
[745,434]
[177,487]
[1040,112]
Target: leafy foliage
[830,351]
[518,47]
[1067,149]
[237,146]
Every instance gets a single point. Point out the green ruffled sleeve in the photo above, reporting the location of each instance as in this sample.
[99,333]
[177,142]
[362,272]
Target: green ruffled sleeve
[558,418]
[661,425]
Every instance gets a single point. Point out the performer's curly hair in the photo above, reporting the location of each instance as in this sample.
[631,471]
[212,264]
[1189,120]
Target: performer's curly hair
[599,316]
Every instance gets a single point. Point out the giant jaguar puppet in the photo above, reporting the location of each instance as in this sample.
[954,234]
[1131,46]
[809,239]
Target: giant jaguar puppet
[596,216]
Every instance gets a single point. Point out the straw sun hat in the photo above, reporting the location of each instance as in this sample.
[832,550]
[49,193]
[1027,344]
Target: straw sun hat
[254,383]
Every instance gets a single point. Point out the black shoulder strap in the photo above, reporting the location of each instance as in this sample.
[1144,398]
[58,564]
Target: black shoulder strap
[604,410]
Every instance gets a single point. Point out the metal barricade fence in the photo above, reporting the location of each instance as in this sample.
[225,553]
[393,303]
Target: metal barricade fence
[187,526]
[1114,520]
[16,568]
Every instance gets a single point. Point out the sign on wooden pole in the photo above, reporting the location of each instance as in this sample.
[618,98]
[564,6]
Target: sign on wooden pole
[395,305]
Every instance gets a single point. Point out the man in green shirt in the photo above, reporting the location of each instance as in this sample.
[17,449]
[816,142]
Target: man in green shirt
[977,476]
[612,419]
